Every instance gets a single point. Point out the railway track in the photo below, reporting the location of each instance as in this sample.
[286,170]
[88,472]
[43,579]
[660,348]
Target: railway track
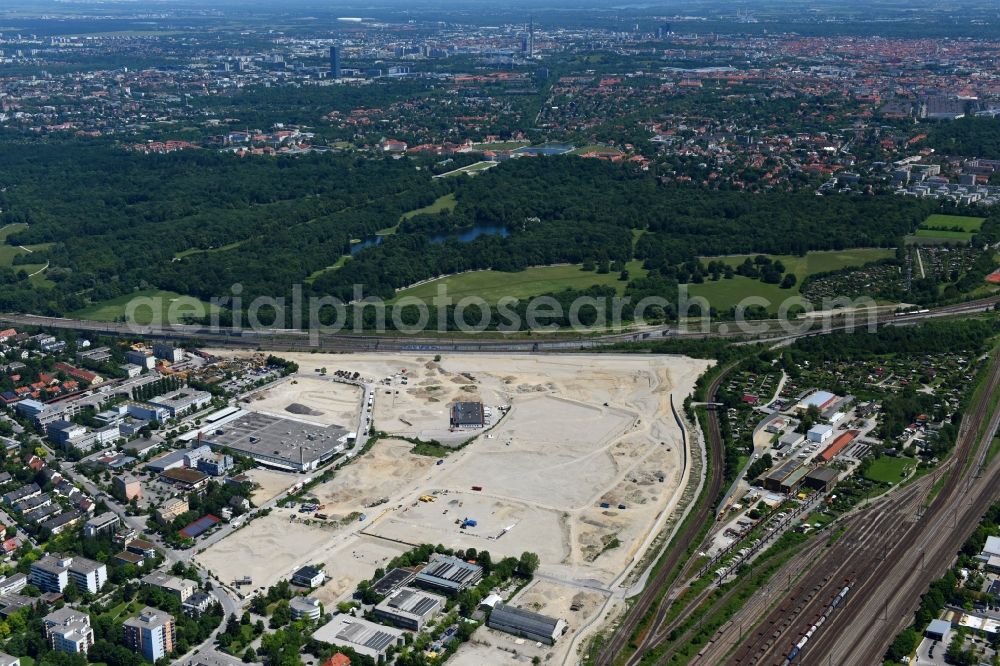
[895,589]
[296,340]
[879,553]
[855,552]
[660,584]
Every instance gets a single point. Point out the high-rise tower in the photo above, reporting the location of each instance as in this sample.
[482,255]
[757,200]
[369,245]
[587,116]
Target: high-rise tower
[335,62]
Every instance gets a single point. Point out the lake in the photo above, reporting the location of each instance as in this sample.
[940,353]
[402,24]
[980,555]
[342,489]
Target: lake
[465,236]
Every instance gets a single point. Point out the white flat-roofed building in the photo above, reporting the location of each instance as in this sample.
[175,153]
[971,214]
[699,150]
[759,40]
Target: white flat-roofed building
[168,352]
[818,399]
[68,630]
[51,573]
[8,660]
[362,636]
[88,574]
[13,583]
[410,608]
[305,607]
[141,358]
[820,433]
[132,370]
[152,634]
[181,587]
[449,574]
[992,546]
[182,401]
[789,440]
[106,523]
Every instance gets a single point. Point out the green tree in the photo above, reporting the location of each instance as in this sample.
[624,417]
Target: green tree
[527,564]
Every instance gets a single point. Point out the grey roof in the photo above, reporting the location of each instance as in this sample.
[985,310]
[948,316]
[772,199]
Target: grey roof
[791,437]
[198,598]
[467,413]
[521,620]
[450,572]
[308,572]
[64,519]
[939,627]
[825,474]
[84,565]
[23,491]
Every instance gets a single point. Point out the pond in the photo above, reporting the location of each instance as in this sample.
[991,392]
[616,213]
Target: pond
[465,236]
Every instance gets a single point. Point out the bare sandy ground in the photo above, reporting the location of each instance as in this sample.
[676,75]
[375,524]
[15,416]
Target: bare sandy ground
[320,401]
[267,549]
[271,483]
[541,596]
[376,476]
[582,430]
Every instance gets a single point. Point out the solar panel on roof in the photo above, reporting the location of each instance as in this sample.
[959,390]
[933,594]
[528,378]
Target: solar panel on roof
[460,575]
[401,598]
[392,580]
[423,606]
[439,569]
[379,641]
[350,632]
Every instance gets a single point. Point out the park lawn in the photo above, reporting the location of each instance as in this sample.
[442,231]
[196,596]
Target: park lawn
[9,229]
[446,202]
[944,233]
[724,294]
[8,252]
[469,169]
[597,148]
[492,285]
[115,308]
[221,248]
[340,262]
[816,262]
[966,222]
[890,470]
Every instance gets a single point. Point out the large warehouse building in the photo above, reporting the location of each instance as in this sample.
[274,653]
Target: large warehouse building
[409,608]
[467,415]
[819,399]
[449,575]
[276,442]
[787,477]
[362,636]
[526,624]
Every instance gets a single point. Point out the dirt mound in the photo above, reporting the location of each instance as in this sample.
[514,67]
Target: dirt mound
[302,410]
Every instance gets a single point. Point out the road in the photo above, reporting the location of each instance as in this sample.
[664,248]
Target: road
[292,340]
[230,605]
[888,553]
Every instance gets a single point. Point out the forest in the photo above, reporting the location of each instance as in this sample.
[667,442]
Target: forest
[967,137]
[198,222]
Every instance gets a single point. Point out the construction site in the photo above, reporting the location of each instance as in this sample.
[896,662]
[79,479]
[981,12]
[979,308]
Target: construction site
[584,467]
